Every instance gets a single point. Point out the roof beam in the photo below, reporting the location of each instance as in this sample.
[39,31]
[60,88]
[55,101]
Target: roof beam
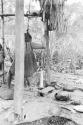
[26,15]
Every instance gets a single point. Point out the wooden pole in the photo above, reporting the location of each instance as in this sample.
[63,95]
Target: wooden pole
[19,57]
[47,52]
[2,35]
[31,15]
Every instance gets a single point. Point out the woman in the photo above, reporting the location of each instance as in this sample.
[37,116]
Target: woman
[29,63]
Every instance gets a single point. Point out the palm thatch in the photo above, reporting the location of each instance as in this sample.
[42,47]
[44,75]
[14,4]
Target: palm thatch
[53,11]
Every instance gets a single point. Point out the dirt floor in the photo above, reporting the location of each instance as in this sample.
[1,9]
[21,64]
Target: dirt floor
[39,105]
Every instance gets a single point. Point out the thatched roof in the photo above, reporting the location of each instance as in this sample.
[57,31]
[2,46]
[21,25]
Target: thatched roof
[43,3]
[53,12]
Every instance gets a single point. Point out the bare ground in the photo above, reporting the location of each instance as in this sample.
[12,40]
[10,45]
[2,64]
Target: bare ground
[36,107]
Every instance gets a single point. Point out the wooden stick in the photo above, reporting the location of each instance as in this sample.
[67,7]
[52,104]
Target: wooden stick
[48,52]
[19,57]
[41,79]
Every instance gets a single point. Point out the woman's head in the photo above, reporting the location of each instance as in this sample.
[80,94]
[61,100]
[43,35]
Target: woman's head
[28,37]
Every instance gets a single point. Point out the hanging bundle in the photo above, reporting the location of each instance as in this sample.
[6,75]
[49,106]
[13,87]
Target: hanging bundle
[52,10]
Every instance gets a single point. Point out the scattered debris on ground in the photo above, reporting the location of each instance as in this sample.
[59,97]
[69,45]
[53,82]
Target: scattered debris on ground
[41,104]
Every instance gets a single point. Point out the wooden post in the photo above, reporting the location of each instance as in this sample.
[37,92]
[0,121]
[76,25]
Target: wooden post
[2,35]
[19,57]
[48,52]
[41,79]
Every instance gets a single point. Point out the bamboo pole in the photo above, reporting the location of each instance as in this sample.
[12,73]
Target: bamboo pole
[2,35]
[19,58]
[26,15]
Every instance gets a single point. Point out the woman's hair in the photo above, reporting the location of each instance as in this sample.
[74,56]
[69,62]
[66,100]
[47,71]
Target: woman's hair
[28,37]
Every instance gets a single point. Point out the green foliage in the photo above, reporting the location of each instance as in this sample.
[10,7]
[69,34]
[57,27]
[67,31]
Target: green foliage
[68,64]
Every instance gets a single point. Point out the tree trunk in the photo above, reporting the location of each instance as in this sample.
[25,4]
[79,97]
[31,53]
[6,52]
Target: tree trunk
[19,57]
